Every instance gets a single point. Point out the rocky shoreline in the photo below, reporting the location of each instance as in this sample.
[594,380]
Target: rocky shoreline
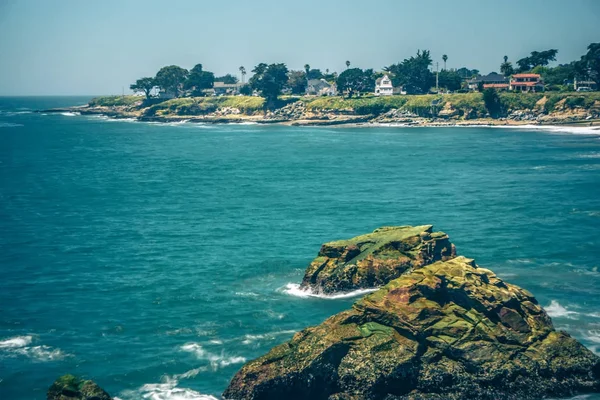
[439,327]
[296,114]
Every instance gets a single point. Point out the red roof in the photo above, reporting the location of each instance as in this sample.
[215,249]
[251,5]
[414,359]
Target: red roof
[513,83]
[526,76]
[495,85]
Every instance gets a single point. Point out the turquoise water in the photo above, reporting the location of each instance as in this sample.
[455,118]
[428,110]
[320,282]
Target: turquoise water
[156,258]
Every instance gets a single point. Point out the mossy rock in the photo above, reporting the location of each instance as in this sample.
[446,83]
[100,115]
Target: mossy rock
[69,387]
[449,330]
[374,259]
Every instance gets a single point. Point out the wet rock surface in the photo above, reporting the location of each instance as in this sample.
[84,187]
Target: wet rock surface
[374,259]
[69,387]
[449,330]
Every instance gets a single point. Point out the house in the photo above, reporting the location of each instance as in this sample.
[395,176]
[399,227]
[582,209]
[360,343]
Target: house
[383,86]
[498,80]
[221,89]
[584,86]
[526,83]
[320,87]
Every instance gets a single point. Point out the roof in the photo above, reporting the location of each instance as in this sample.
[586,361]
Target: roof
[318,84]
[495,85]
[513,83]
[378,81]
[526,76]
[221,85]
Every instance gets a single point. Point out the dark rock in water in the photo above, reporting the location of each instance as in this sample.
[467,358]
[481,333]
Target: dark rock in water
[69,387]
[376,258]
[449,330]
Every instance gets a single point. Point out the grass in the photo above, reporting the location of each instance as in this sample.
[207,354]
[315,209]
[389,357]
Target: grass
[205,105]
[114,101]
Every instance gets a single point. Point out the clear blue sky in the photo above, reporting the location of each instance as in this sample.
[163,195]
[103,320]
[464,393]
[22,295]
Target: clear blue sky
[97,47]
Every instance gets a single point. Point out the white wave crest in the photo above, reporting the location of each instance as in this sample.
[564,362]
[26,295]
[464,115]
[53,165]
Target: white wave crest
[293,289]
[593,336]
[216,361]
[248,339]
[17,341]
[20,346]
[164,391]
[576,130]
[555,310]
[9,125]
[70,114]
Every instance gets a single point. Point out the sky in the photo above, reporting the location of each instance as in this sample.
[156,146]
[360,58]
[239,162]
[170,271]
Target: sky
[75,47]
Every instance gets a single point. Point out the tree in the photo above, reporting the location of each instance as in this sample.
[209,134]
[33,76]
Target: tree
[506,67]
[355,80]
[144,85]
[269,80]
[306,68]
[246,90]
[243,72]
[413,73]
[297,82]
[536,58]
[492,102]
[227,79]
[445,58]
[450,79]
[347,64]
[171,79]
[314,74]
[199,80]
[592,61]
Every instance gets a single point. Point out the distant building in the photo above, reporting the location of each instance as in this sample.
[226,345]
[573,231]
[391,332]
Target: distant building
[320,87]
[383,86]
[498,80]
[526,83]
[584,85]
[231,89]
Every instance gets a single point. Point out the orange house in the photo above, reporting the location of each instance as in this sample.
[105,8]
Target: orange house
[527,83]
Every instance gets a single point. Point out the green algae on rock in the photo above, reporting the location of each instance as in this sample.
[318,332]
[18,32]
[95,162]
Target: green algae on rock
[374,259]
[69,387]
[449,330]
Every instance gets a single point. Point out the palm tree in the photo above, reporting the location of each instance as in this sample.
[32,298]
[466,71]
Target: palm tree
[243,72]
[445,58]
[505,59]
[327,71]
[347,64]
[306,69]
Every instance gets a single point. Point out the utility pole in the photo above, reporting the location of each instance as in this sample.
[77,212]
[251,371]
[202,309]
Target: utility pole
[437,77]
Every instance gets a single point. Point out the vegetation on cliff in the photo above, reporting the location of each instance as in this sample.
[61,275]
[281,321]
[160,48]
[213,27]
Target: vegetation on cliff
[374,259]
[69,387]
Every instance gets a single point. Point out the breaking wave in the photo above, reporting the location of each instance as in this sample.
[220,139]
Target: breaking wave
[70,114]
[555,310]
[294,289]
[20,346]
[166,390]
[216,361]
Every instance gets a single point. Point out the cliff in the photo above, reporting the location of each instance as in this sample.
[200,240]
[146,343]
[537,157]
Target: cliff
[446,109]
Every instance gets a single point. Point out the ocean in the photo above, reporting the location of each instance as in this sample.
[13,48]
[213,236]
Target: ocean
[156,259]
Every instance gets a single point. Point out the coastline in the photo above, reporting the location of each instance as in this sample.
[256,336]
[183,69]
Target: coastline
[450,110]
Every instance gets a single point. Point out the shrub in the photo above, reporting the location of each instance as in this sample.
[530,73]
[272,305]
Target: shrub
[492,102]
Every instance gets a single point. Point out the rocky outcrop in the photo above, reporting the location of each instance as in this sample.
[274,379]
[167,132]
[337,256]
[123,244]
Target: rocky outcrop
[372,260]
[449,330]
[69,387]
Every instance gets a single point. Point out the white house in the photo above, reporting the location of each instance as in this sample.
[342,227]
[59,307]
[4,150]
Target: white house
[384,87]
[320,87]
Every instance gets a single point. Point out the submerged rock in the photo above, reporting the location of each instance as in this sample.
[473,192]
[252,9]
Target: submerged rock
[449,330]
[69,387]
[374,259]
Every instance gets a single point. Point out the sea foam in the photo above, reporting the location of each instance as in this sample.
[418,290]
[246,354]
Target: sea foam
[293,289]
[216,361]
[20,346]
[555,310]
